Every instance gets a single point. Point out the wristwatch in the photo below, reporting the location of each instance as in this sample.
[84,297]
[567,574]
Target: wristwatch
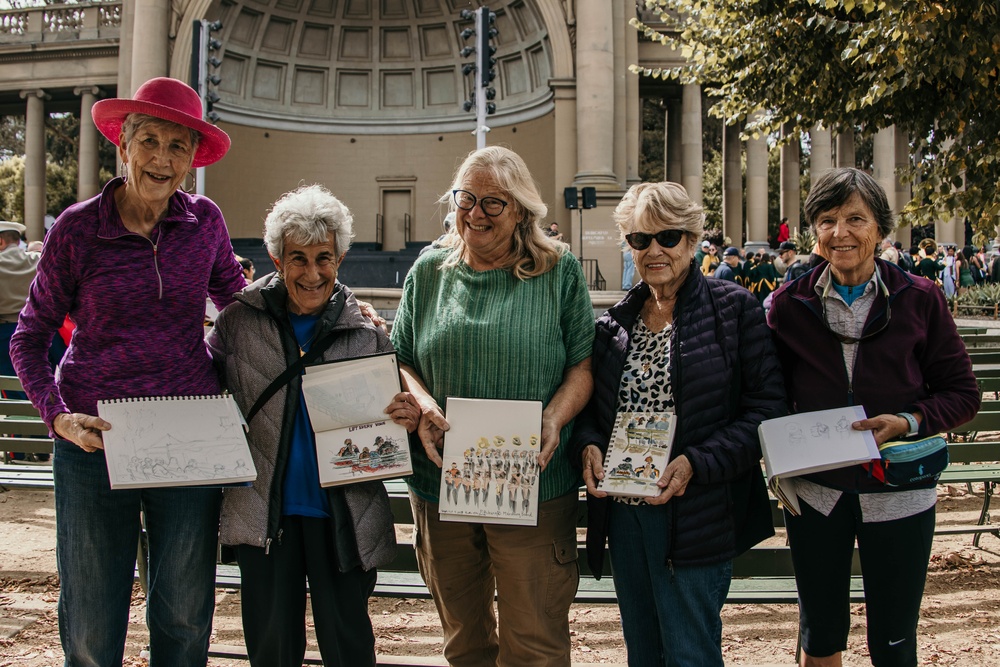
[912,421]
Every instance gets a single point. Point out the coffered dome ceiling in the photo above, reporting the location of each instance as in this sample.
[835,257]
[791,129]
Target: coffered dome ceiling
[374,66]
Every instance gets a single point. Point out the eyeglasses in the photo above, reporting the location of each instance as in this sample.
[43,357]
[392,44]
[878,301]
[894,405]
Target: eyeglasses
[668,238]
[851,340]
[466,201]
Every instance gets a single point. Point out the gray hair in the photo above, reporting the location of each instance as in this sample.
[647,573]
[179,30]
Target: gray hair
[307,216]
[838,185]
[664,202]
[137,121]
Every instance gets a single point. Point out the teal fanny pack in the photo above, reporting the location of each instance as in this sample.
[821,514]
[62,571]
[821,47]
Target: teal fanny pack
[906,462]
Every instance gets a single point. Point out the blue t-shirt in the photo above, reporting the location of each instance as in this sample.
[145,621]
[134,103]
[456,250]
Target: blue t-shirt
[849,292]
[302,495]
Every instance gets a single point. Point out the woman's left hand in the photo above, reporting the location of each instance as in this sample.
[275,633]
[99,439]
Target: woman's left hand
[674,480]
[884,427]
[550,441]
[404,411]
[369,311]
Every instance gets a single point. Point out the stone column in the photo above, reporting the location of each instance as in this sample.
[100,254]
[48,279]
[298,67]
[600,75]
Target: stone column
[884,162]
[791,197]
[595,79]
[34,164]
[150,41]
[88,181]
[845,149]
[757,193]
[673,133]
[820,158]
[691,141]
[633,109]
[903,194]
[732,185]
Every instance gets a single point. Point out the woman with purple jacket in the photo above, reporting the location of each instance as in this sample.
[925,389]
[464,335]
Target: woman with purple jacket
[132,267]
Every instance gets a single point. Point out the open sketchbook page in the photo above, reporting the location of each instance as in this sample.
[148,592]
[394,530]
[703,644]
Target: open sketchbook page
[490,472]
[814,441]
[351,392]
[355,441]
[638,453]
[175,441]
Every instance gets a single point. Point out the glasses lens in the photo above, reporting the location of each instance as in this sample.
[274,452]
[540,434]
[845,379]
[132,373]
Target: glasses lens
[638,240]
[492,205]
[464,200]
[669,238]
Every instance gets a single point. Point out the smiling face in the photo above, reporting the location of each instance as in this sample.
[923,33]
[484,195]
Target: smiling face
[663,269]
[310,273]
[847,236]
[488,239]
[158,158]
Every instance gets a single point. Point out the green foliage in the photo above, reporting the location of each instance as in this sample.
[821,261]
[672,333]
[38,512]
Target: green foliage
[931,68]
[652,160]
[12,189]
[985,295]
[711,193]
[804,241]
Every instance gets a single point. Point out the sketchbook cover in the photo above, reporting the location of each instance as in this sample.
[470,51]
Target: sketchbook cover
[355,442]
[175,441]
[814,441]
[490,472]
[638,453]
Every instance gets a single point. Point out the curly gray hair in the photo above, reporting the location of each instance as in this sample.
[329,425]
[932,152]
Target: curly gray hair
[308,215]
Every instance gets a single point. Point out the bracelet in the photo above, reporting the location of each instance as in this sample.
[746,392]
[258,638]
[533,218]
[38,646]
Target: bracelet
[912,422]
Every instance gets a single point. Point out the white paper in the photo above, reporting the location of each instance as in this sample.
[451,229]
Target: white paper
[490,472]
[175,441]
[355,441]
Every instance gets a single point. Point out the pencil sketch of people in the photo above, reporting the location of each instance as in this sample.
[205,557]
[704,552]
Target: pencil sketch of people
[843,426]
[795,434]
[820,430]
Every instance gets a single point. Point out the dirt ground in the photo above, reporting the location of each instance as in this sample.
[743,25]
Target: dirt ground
[960,624]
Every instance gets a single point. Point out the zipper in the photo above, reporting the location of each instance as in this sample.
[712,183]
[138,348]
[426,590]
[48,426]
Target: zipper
[156,267]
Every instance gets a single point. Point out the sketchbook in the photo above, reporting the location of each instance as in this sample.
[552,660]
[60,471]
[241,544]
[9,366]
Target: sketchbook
[355,439]
[638,453]
[812,442]
[175,441]
[490,472]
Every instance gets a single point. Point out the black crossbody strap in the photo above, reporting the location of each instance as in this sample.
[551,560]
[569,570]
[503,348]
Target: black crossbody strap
[317,348]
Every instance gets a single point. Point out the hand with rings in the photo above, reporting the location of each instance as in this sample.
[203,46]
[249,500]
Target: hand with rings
[404,411]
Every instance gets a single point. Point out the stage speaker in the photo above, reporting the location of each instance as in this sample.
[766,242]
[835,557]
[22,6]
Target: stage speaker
[589,198]
[569,194]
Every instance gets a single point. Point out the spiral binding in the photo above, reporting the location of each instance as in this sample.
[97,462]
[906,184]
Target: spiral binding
[157,399]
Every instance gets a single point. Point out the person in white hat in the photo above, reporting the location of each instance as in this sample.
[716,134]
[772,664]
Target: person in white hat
[17,269]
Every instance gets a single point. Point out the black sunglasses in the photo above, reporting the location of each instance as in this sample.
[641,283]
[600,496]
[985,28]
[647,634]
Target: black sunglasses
[668,238]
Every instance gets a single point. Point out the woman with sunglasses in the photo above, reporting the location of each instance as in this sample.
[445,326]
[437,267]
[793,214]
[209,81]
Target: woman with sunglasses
[697,347]
[840,344]
[499,311]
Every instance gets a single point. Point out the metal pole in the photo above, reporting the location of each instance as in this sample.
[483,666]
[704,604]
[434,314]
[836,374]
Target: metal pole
[482,23]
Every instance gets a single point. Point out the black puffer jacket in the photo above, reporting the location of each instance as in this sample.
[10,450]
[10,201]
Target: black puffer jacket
[726,380]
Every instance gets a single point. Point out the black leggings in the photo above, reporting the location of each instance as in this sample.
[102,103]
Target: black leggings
[894,557]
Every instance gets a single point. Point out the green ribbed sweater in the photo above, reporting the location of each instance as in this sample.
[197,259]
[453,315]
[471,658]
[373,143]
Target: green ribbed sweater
[486,334]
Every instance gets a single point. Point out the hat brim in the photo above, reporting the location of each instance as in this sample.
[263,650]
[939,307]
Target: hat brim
[109,115]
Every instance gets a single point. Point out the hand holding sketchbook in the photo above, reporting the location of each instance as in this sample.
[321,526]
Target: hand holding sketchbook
[812,442]
[175,441]
[355,440]
[638,453]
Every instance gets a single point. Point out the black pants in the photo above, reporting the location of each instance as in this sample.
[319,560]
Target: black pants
[894,557]
[274,599]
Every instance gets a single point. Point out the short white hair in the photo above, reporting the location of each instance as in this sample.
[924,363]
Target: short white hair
[308,215]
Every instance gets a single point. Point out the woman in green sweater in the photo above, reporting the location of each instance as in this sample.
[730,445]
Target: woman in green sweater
[499,312]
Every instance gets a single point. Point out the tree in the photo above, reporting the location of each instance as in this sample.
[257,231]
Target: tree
[931,68]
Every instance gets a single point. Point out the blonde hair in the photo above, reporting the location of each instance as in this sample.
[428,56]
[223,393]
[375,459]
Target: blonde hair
[663,202]
[532,251]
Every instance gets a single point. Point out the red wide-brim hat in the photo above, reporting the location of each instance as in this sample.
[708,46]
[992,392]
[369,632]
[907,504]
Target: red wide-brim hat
[170,100]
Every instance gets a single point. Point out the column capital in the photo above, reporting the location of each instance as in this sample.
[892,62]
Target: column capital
[35,92]
[93,90]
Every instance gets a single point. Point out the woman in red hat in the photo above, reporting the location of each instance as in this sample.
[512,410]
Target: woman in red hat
[132,267]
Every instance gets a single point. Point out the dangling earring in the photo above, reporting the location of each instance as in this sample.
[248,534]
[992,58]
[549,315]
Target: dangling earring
[194,182]
[124,172]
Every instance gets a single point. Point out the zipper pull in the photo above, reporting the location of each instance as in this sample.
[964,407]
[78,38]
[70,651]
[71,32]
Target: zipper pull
[267,546]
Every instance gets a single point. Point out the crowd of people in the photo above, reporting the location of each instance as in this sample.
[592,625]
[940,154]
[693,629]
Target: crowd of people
[498,308]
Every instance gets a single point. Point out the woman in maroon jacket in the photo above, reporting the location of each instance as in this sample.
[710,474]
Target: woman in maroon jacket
[860,331]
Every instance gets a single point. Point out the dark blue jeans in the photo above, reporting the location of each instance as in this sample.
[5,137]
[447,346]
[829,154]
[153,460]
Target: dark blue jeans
[97,532]
[670,618]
